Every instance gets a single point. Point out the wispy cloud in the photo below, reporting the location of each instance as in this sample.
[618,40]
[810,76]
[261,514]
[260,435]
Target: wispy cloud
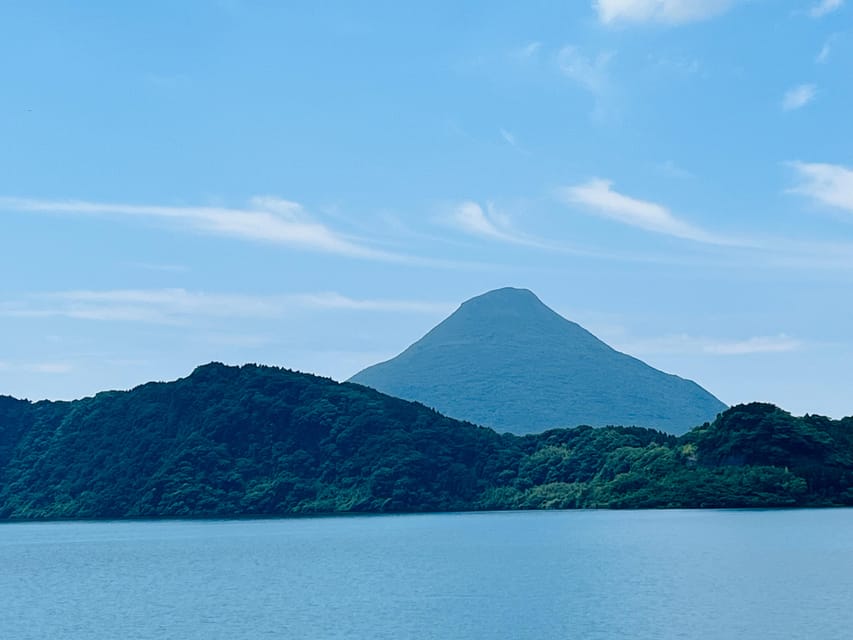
[675,64]
[242,340]
[672,170]
[151,266]
[508,137]
[759,344]
[179,306]
[828,184]
[511,139]
[671,12]
[824,7]
[799,96]
[684,344]
[528,51]
[267,219]
[591,73]
[825,52]
[598,197]
[331,300]
[48,367]
[488,223]
[37,367]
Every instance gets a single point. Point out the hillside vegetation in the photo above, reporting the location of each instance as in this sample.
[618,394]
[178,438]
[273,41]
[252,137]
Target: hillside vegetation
[251,440]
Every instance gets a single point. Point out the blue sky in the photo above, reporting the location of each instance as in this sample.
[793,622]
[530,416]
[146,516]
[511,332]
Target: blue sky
[316,185]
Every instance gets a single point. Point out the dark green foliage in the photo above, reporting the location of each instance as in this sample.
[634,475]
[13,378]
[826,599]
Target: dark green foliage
[761,434]
[14,420]
[507,361]
[231,441]
[249,440]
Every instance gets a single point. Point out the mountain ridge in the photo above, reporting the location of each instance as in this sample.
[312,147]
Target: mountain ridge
[506,360]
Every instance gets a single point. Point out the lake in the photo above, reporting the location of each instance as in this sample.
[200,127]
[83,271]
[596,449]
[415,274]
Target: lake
[583,574]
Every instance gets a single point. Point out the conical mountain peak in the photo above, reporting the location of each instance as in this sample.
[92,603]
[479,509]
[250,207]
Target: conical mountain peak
[507,303]
[506,296]
[508,318]
[506,360]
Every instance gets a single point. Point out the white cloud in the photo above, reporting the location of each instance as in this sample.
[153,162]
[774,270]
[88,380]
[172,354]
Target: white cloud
[178,306]
[48,367]
[244,340]
[151,266]
[684,344]
[672,170]
[471,218]
[671,12]
[675,64]
[798,96]
[591,73]
[508,137]
[828,184]
[267,219]
[758,344]
[598,196]
[825,52]
[824,7]
[528,51]
[331,300]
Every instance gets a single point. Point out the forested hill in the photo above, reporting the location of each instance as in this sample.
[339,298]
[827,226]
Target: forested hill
[251,440]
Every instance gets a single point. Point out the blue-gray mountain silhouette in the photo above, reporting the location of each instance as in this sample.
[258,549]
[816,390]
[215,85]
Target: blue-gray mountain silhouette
[507,361]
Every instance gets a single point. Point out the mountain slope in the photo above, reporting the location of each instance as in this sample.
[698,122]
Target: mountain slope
[507,361]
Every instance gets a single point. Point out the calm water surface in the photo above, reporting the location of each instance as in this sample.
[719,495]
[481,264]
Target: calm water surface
[640,574]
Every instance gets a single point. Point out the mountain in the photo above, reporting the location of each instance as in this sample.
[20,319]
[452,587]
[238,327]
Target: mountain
[252,440]
[507,361]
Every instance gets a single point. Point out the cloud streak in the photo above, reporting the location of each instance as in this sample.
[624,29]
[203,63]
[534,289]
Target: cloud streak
[827,184]
[672,170]
[669,12]
[684,344]
[508,137]
[798,97]
[591,73]
[488,223]
[825,7]
[598,197]
[528,51]
[826,51]
[52,368]
[267,220]
[830,185]
[48,367]
[178,306]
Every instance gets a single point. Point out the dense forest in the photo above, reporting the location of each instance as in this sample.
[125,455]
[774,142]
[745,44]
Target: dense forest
[252,440]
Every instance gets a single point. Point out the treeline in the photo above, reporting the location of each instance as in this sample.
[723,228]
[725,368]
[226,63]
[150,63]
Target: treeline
[252,440]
